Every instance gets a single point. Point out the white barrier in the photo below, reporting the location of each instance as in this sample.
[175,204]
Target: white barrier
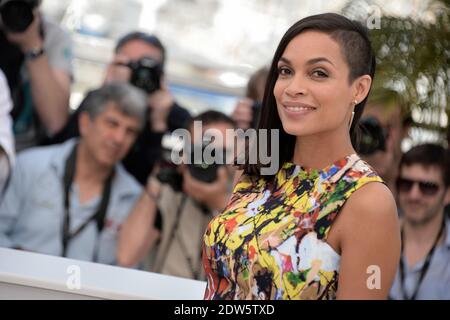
[26,275]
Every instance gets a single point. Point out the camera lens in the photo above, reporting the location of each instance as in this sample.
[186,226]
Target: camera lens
[373,137]
[146,74]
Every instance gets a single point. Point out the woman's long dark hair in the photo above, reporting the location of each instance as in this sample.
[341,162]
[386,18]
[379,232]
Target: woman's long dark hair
[356,47]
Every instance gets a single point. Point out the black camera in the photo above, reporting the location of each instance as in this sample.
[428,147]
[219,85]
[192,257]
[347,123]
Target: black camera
[373,136]
[203,171]
[206,171]
[168,174]
[146,74]
[17,15]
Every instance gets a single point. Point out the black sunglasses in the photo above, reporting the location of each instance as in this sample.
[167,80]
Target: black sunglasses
[427,188]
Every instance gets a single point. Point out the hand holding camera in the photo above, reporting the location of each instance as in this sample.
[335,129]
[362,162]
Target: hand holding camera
[146,74]
[214,194]
[243,113]
[246,113]
[205,182]
[209,187]
[22,23]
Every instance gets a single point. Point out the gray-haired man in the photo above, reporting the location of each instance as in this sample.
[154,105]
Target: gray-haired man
[70,199]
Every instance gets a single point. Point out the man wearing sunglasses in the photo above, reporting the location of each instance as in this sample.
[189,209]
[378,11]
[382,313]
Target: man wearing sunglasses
[422,187]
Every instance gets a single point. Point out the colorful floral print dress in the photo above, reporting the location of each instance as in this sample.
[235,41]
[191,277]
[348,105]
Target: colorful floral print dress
[270,242]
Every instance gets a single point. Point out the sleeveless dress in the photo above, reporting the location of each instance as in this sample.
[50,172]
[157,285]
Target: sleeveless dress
[270,241]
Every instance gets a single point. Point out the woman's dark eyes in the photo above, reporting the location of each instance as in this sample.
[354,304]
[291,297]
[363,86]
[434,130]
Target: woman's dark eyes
[320,74]
[283,71]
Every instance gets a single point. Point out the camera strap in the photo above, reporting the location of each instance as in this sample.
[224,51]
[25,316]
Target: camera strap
[424,268]
[174,236]
[174,229]
[98,216]
[194,269]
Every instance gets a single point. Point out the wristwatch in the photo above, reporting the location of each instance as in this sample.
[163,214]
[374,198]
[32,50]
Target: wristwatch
[34,53]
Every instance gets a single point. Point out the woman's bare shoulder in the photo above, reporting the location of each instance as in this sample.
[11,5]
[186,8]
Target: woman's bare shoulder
[373,206]
[372,197]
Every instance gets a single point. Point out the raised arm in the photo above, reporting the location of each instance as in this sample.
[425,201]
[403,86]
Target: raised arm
[50,85]
[138,234]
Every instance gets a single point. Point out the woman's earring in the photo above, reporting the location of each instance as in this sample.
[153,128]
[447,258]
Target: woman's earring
[351,119]
[355,102]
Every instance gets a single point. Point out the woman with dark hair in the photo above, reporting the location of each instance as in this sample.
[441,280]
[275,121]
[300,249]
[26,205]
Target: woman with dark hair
[319,221]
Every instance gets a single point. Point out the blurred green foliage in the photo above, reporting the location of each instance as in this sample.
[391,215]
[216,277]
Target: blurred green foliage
[413,56]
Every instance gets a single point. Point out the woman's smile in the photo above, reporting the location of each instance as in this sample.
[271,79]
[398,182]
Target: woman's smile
[295,109]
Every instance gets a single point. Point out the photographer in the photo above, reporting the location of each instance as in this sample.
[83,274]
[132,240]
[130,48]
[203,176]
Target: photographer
[186,208]
[140,59]
[383,133]
[36,58]
[70,199]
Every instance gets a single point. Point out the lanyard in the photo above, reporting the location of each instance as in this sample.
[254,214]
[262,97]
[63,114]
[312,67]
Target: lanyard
[175,236]
[98,216]
[425,266]
[174,228]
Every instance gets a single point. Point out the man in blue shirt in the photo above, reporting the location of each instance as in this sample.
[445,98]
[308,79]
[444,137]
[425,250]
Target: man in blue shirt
[70,199]
[423,191]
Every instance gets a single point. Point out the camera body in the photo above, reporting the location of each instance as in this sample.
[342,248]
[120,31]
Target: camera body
[373,136]
[205,171]
[146,74]
[17,15]
[200,171]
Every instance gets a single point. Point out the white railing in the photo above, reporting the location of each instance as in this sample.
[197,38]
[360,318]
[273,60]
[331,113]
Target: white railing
[26,275]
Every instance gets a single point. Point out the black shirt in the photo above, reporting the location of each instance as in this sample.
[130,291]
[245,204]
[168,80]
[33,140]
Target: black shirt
[146,151]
